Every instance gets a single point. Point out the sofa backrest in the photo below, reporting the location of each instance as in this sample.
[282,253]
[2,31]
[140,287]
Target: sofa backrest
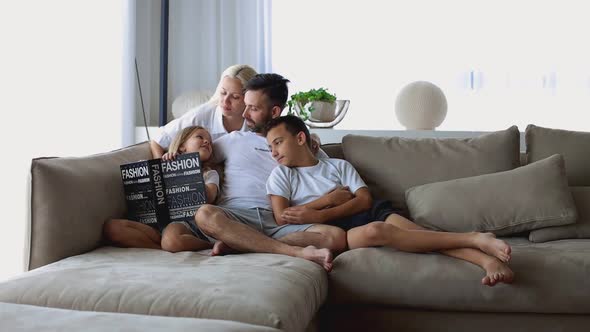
[70,200]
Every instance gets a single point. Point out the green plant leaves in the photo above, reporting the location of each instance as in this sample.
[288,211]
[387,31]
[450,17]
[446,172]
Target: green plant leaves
[300,99]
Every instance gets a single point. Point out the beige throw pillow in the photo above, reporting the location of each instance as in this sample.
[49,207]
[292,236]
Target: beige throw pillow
[523,199]
[574,146]
[391,165]
[579,230]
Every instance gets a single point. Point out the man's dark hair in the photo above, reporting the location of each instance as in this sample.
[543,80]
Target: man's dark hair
[293,124]
[274,86]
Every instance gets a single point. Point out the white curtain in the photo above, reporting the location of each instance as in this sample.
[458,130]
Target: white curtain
[207,36]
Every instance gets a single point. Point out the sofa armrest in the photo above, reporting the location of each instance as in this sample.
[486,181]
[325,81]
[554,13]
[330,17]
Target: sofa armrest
[70,198]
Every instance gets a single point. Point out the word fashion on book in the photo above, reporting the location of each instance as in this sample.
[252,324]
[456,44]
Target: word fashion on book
[159,192]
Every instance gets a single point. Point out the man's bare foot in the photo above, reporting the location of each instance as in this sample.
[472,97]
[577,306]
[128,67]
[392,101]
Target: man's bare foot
[488,243]
[320,256]
[220,249]
[496,272]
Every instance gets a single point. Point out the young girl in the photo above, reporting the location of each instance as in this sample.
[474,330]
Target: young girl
[177,236]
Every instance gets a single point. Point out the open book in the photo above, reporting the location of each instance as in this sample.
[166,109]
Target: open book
[159,192]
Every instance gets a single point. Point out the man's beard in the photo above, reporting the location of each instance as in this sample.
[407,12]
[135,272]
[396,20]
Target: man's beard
[259,127]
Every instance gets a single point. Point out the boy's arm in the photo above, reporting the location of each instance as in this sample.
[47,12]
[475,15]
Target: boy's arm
[303,214]
[279,204]
[336,197]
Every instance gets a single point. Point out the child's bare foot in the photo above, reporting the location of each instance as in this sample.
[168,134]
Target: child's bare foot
[488,243]
[320,256]
[496,272]
[220,249]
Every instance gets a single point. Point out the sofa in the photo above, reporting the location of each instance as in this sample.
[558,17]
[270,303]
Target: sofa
[75,282]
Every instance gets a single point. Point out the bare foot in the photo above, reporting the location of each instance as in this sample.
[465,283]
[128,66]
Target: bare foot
[496,272]
[488,243]
[220,249]
[320,256]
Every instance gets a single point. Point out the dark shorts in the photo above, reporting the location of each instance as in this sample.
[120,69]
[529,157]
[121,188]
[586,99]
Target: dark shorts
[380,210]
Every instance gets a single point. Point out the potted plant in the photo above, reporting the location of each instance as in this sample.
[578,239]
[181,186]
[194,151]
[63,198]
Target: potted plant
[316,105]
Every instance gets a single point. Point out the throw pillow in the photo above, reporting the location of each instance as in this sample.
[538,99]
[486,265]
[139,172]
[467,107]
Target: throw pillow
[572,145]
[579,230]
[391,165]
[523,199]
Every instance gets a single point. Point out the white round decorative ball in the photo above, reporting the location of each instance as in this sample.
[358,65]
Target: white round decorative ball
[421,105]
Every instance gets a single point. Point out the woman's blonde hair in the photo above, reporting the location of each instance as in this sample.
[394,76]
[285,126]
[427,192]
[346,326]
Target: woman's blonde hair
[242,72]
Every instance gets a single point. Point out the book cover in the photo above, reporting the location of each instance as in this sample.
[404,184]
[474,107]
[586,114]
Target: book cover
[158,192]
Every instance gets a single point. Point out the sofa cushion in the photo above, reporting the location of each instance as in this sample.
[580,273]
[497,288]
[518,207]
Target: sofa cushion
[522,199]
[572,145]
[70,200]
[28,318]
[579,230]
[550,277]
[271,290]
[391,165]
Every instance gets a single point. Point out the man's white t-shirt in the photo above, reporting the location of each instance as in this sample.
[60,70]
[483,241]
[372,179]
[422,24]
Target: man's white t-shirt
[301,185]
[207,115]
[248,164]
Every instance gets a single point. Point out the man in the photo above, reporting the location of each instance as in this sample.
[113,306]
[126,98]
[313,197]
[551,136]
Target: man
[248,163]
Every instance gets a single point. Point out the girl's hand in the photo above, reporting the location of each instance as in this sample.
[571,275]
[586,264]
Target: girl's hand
[169,156]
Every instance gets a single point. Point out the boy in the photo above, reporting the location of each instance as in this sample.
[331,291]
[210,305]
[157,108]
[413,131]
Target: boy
[304,189]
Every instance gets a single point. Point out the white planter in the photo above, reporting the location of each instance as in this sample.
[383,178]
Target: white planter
[421,106]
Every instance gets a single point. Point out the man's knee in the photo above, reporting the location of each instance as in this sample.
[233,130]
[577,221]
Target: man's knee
[207,217]
[336,239]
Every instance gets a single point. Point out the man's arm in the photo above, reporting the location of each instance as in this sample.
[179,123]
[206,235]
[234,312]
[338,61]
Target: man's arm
[302,214]
[157,150]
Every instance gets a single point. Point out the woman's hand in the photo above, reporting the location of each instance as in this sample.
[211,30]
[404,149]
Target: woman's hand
[169,156]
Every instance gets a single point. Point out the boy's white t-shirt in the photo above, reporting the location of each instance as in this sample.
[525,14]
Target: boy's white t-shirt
[208,115]
[301,185]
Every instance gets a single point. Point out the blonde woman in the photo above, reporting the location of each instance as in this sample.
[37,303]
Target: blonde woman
[221,115]
[177,236]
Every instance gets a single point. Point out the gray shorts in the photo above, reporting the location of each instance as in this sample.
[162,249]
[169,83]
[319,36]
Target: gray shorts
[260,219]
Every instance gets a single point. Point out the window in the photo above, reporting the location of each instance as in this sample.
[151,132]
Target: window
[499,63]
[62,72]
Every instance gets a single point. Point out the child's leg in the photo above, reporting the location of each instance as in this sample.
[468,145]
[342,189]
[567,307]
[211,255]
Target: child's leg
[177,237]
[496,271]
[131,234]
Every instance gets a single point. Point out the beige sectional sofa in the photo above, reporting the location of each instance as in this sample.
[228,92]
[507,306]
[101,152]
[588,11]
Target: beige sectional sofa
[75,281]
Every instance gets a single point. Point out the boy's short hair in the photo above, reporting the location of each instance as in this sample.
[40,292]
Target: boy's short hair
[293,124]
[274,86]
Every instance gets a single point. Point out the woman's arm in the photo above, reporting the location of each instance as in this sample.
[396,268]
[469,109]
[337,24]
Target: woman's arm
[157,150]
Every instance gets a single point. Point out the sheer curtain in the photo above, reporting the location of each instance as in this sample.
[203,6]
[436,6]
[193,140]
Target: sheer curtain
[205,37]
[63,86]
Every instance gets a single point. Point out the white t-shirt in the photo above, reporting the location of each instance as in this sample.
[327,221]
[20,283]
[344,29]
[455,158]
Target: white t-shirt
[301,185]
[207,115]
[248,163]
[211,177]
